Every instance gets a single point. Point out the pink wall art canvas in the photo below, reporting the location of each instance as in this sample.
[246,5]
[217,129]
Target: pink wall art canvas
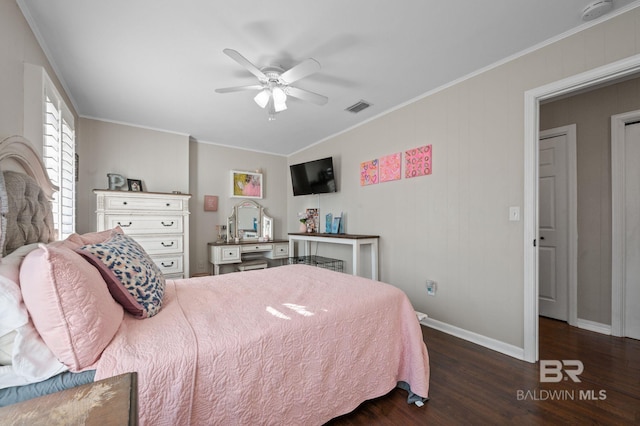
[369,172]
[390,166]
[417,162]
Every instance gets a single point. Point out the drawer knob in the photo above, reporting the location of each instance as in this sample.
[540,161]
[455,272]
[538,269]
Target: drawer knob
[167,224]
[124,203]
[165,265]
[125,226]
[167,245]
[168,204]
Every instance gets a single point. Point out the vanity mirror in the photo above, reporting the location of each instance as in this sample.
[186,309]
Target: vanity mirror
[249,222]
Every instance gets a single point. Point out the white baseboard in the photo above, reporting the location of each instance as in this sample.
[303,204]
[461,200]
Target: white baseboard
[497,345]
[476,338]
[594,326]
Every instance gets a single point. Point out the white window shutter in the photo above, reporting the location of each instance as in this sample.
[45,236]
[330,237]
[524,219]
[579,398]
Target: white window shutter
[59,159]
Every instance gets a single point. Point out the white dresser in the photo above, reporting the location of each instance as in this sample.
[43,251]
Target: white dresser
[159,222]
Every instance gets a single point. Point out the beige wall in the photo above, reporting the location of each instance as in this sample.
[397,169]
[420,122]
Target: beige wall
[452,226]
[209,170]
[18,46]
[591,112]
[159,159]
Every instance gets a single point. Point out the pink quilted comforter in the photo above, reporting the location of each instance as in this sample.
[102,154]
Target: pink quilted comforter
[283,346]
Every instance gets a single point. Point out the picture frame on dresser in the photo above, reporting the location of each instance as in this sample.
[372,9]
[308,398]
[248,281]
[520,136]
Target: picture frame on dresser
[246,184]
[135,185]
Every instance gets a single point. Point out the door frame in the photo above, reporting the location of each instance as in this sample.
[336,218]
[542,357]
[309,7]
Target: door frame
[532,99]
[572,214]
[618,222]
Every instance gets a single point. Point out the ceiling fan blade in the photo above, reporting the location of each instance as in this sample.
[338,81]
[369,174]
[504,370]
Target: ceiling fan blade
[303,69]
[306,95]
[239,88]
[245,63]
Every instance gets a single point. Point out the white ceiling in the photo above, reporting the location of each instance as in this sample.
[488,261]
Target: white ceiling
[156,63]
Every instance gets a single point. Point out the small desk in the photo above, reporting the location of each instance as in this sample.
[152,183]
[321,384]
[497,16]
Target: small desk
[355,241]
[230,253]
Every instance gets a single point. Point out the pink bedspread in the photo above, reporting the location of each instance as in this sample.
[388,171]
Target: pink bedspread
[291,345]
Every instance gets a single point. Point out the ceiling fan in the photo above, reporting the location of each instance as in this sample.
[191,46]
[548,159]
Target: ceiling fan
[274,84]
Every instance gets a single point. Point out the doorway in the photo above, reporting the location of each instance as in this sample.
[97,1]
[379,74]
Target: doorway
[625,182]
[607,73]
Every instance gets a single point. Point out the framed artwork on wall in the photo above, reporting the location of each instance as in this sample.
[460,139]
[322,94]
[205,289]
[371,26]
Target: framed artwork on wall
[246,184]
[417,162]
[210,203]
[369,172]
[390,166]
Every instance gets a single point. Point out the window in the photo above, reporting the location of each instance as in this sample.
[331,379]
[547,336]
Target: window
[59,159]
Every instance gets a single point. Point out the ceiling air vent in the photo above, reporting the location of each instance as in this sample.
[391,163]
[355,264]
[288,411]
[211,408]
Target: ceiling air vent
[358,106]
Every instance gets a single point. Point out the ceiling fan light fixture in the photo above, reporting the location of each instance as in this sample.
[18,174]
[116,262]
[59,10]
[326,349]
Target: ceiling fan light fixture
[274,84]
[279,99]
[262,98]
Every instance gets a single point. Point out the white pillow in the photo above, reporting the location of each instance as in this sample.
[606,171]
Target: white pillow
[14,313]
[31,359]
[6,347]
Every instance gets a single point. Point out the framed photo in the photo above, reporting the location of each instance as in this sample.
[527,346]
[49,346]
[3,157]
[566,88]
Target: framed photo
[135,185]
[313,220]
[246,184]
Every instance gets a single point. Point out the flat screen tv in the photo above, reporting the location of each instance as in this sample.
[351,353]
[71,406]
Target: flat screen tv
[313,177]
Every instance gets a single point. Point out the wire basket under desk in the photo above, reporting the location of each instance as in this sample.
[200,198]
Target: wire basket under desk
[319,261]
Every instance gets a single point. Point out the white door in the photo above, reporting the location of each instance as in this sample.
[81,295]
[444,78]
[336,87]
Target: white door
[553,252]
[632,231]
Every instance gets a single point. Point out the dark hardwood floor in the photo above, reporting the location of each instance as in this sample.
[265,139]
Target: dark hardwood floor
[473,385]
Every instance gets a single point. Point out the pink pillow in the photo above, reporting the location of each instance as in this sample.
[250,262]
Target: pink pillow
[77,240]
[69,304]
[100,236]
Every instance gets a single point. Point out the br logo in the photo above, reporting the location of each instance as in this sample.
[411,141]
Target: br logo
[553,370]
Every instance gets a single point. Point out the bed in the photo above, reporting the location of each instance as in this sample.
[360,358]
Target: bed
[288,345]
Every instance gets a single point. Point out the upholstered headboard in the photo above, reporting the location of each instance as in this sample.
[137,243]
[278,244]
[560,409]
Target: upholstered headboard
[25,196]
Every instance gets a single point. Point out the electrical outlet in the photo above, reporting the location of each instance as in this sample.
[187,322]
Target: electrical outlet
[431,287]
[200,265]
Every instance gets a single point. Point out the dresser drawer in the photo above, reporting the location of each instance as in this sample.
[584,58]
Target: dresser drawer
[169,264]
[134,224]
[230,253]
[224,254]
[161,244]
[252,248]
[280,251]
[138,203]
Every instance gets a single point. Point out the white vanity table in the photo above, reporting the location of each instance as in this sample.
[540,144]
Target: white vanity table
[231,253]
[355,241]
[249,234]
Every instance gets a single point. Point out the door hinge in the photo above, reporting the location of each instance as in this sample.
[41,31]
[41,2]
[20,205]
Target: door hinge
[534,242]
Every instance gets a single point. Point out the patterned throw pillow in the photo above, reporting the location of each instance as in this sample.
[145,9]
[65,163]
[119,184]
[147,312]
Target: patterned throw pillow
[134,280]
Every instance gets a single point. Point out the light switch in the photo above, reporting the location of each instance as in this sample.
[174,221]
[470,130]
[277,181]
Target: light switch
[514,214]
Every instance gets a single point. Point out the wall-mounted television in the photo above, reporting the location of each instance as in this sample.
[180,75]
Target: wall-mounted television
[313,177]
